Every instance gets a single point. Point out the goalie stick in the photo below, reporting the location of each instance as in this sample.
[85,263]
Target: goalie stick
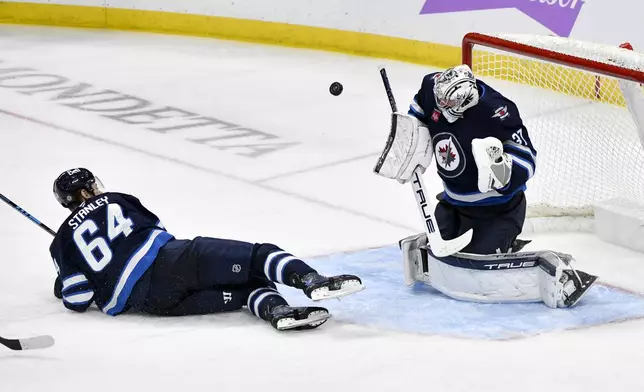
[36,342]
[438,245]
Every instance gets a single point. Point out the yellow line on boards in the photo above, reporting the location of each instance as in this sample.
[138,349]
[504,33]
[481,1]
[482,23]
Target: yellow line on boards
[364,44]
[285,34]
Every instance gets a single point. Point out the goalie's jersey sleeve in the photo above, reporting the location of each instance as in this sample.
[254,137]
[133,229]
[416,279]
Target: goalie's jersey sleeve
[494,115]
[103,249]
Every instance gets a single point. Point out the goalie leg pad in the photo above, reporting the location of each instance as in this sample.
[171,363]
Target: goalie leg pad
[502,278]
[499,278]
[415,267]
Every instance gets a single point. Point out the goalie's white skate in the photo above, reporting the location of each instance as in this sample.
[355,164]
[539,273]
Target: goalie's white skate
[575,285]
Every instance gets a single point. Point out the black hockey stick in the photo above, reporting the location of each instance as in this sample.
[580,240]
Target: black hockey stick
[26,214]
[37,342]
[34,343]
[438,245]
[390,94]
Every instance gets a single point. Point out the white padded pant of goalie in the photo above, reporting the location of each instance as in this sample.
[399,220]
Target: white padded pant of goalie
[501,278]
[620,222]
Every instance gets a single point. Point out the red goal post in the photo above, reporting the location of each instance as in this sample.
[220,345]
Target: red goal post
[489,41]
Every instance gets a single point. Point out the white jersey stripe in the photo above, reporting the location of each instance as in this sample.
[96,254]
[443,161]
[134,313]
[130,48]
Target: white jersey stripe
[474,197]
[74,280]
[416,108]
[521,148]
[524,164]
[80,298]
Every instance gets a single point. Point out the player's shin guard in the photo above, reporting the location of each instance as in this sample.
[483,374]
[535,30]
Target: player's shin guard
[282,267]
[277,265]
[262,300]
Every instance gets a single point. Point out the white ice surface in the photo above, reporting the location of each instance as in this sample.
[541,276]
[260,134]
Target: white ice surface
[316,198]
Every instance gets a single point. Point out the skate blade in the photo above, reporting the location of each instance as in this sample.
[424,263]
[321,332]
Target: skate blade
[589,285]
[348,287]
[314,320]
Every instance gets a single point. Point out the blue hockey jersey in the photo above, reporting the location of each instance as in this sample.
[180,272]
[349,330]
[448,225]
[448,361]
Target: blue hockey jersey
[102,250]
[495,116]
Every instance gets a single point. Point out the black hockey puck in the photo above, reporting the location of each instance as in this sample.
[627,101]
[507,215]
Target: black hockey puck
[336,88]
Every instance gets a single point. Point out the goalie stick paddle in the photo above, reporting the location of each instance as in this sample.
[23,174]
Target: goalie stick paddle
[438,246]
[34,343]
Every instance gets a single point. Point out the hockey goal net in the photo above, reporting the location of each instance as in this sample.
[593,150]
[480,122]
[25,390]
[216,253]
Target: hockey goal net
[582,121]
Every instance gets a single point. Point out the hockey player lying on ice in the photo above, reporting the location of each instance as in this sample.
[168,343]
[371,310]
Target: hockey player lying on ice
[484,157]
[113,251]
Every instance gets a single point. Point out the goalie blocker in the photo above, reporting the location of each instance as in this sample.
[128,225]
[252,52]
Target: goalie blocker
[499,278]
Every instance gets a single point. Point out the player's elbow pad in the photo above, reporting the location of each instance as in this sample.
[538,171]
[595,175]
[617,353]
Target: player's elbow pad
[80,308]
[58,288]
[78,301]
[77,293]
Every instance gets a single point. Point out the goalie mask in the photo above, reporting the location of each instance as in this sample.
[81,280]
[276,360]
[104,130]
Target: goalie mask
[455,91]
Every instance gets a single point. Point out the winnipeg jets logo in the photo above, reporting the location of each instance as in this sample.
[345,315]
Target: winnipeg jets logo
[501,113]
[450,158]
[446,154]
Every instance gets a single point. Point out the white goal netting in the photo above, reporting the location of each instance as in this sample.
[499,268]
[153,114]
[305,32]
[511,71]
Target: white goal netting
[589,148]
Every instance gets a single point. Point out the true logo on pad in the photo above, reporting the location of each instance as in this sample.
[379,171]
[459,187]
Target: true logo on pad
[557,15]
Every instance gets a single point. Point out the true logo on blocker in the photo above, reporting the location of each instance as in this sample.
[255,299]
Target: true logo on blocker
[557,15]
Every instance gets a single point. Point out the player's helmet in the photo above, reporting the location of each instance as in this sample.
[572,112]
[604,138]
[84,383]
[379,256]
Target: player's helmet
[455,91]
[70,182]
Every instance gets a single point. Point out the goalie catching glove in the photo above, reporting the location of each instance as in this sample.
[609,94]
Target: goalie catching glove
[408,147]
[495,166]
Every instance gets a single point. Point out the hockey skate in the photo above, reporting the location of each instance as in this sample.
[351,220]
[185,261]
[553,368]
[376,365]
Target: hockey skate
[284,317]
[318,287]
[575,288]
[518,245]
